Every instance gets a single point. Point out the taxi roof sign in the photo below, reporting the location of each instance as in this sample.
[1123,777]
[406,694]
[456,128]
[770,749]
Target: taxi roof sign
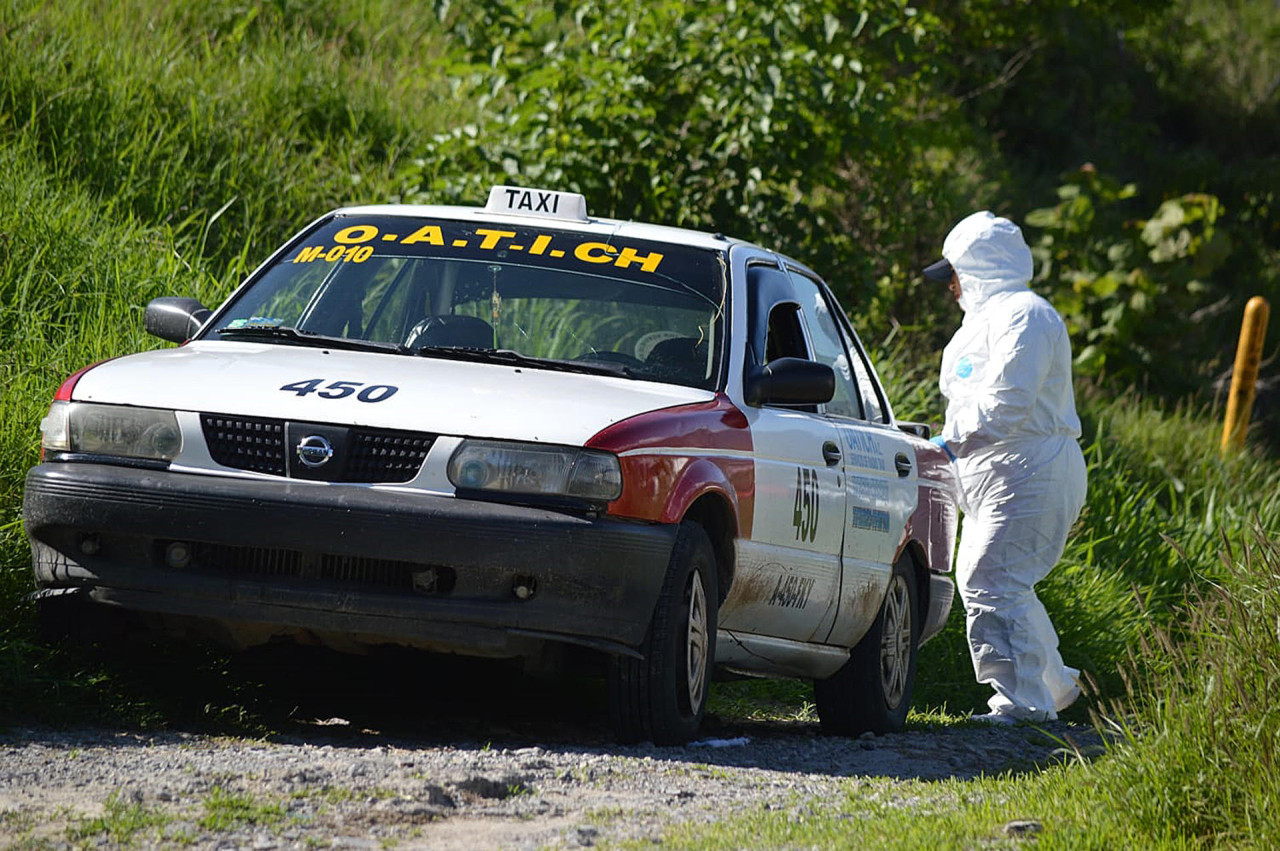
[545,203]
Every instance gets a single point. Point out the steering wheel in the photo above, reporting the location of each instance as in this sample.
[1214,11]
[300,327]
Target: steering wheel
[611,357]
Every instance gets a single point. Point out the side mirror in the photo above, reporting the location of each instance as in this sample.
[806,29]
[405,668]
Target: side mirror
[918,429]
[790,381]
[175,319]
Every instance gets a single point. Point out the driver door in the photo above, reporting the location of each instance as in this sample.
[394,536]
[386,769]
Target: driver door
[788,573]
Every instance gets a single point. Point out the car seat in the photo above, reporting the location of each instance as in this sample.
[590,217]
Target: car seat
[682,360]
[452,330]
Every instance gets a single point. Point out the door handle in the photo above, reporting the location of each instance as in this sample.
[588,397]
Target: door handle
[831,453]
[903,464]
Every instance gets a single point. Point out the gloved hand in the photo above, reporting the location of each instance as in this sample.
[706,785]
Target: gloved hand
[947,449]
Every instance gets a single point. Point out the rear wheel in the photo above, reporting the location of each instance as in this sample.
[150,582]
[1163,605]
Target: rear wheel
[662,697]
[872,692]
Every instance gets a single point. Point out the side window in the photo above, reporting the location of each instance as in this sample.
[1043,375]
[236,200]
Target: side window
[877,410]
[773,329]
[828,346]
[785,339]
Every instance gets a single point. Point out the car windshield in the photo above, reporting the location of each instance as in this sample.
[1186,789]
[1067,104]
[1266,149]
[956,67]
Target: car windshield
[428,287]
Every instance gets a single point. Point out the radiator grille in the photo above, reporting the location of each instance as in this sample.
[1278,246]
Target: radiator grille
[259,445]
[245,444]
[386,456]
[269,563]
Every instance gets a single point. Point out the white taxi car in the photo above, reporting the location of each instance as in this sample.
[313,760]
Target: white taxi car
[515,431]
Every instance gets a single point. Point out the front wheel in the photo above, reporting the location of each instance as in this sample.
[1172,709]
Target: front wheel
[872,692]
[70,617]
[662,697]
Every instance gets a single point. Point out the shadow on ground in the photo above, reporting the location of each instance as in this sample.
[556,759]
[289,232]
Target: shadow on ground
[409,700]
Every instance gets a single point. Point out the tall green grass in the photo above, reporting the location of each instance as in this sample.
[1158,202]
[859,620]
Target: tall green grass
[151,149]
[164,149]
[275,112]
[1201,724]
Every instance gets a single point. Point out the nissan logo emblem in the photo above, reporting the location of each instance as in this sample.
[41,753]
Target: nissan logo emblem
[314,451]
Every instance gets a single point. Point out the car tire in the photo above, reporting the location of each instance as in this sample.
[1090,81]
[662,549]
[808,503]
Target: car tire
[662,697]
[872,691]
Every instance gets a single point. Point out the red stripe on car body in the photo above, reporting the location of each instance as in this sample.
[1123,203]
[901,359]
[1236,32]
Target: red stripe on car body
[660,482]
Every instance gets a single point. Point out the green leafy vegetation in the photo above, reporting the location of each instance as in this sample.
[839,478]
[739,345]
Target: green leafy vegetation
[165,149]
[1125,286]
[743,118]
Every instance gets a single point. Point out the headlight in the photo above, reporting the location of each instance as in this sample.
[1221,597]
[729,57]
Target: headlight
[53,429]
[111,430]
[535,469]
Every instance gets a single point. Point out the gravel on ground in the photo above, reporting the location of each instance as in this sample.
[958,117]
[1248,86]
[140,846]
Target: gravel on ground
[333,783]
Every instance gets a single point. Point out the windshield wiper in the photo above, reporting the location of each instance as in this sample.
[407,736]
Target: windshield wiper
[309,338]
[293,336]
[514,358]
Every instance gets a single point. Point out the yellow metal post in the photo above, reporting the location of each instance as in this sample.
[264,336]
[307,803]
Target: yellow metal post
[1244,377]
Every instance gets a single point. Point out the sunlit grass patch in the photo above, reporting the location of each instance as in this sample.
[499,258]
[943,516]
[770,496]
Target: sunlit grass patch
[122,819]
[18,819]
[344,794]
[1054,810]
[1201,727]
[934,717]
[226,810]
[762,700]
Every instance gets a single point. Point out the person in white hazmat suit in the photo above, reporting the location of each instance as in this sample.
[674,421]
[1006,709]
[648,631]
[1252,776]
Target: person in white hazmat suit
[1011,431]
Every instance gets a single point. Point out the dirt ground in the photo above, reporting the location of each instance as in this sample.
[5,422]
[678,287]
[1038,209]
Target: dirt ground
[369,756]
[328,784]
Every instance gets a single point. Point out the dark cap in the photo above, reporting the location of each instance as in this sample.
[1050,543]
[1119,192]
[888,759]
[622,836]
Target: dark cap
[940,271]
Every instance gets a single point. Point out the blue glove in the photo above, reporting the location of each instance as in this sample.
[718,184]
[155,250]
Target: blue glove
[947,449]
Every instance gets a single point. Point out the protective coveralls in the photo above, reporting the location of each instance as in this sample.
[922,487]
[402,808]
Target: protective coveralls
[1011,425]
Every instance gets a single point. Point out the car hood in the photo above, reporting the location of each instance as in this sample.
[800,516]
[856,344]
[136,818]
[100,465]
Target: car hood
[432,395]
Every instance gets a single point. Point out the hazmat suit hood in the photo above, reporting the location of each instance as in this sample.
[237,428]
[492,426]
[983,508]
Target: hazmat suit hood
[989,255]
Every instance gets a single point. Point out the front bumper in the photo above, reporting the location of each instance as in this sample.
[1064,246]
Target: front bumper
[371,565]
